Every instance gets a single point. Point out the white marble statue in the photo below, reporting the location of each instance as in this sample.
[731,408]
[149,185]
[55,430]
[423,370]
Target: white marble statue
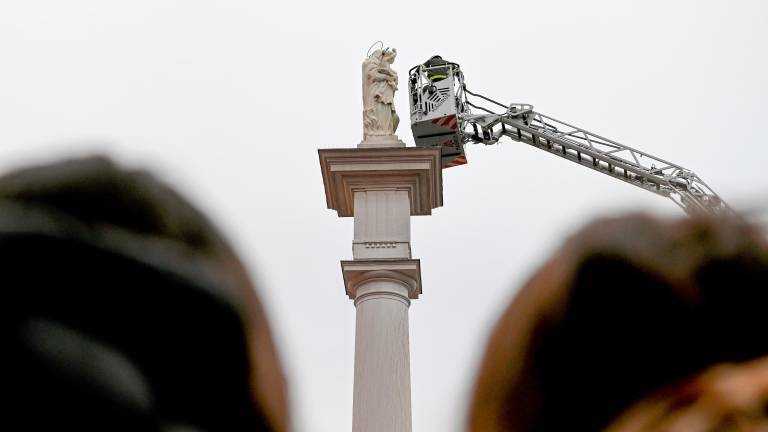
[379,85]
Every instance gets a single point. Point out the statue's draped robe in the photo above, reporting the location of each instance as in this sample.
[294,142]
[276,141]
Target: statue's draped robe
[379,85]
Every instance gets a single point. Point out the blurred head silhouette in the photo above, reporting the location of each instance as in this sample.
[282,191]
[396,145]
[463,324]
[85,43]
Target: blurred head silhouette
[125,309]
[635,324]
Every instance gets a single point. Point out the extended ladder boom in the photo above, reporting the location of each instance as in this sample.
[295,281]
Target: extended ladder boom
[521,123]
[601,154]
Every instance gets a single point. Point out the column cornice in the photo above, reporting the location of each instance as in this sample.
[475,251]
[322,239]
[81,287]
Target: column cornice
[415,169]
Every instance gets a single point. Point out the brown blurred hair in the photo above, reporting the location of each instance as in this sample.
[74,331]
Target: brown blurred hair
[95,202]
[726,397]
[626,307]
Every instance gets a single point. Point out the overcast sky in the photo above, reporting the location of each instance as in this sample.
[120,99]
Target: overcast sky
[229,101]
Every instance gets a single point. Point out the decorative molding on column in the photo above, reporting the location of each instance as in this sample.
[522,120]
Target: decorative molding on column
[381,249]
[417,170]
[406,272]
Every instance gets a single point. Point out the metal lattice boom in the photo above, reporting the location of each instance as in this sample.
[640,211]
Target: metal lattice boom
[588,149]
[441,115]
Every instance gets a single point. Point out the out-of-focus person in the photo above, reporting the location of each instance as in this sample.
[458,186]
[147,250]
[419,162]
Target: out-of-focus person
[124,309]
[635,324]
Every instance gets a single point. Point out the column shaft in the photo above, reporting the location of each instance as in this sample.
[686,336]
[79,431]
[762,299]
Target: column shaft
[382,389]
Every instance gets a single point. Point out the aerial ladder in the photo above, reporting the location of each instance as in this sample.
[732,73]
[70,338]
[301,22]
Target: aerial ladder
[446,114]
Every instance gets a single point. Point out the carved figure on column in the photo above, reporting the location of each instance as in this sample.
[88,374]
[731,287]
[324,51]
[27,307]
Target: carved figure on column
[380,120]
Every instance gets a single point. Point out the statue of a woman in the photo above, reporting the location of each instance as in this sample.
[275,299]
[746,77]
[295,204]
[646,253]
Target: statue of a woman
[379,84]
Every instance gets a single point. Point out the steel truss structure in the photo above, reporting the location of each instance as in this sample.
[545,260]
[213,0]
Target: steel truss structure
[521,123]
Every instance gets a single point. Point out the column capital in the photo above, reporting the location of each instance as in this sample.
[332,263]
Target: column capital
[417,170]
[406,272]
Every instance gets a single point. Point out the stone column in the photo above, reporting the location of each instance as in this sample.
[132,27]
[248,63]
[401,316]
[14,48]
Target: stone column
[382,391]
[382,189]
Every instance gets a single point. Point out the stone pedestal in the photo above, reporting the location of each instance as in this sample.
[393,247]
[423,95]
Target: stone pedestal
[382,224]
[382,188]
[381,141]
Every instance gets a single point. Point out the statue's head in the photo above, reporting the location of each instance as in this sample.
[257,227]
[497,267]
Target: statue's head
[389,55]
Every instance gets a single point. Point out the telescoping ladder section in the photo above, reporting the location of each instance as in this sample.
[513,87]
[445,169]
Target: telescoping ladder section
[601,154]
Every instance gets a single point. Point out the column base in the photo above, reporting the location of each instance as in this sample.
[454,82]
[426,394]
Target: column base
[381,141]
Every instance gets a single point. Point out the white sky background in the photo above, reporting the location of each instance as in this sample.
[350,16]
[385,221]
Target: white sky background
[229,101]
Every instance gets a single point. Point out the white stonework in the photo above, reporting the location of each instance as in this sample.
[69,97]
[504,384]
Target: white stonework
[382,188]
[380,120]
[407,272]
[413,169]
[381,141]
[382,224]
[382,291]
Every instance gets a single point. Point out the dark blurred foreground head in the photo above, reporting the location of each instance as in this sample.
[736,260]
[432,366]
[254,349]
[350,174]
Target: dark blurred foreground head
[636,324]
[125,309]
